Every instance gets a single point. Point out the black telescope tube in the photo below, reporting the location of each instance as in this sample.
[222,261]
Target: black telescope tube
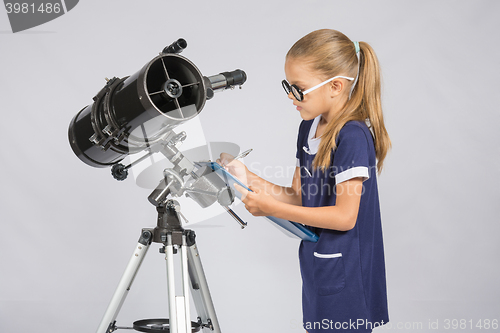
[102,133]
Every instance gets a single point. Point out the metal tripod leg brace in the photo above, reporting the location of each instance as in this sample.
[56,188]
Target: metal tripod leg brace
[175,239]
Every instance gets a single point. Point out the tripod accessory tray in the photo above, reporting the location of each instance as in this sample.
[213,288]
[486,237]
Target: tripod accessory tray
[159,325]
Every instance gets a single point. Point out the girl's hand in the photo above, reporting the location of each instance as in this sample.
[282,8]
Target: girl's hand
[258,202]
[234,167]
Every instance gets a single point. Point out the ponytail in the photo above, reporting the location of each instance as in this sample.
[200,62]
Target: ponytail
[370,103]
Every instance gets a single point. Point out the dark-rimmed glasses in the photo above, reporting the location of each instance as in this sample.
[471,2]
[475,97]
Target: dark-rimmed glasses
[299,94]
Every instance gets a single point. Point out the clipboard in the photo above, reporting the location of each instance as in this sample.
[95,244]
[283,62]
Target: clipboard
[293,229]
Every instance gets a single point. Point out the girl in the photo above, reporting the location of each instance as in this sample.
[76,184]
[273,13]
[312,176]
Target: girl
[342,142]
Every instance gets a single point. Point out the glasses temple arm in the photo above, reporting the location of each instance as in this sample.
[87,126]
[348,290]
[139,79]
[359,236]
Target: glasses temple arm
[325,82]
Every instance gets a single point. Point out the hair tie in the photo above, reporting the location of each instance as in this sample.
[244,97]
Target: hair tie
[356,46]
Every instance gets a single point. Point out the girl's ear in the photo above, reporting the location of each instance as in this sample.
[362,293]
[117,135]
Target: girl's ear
[336,88]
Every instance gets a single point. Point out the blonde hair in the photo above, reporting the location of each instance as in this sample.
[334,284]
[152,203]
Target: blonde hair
[331,53]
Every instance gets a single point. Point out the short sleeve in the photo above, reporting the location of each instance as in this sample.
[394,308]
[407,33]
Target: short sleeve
[351,157]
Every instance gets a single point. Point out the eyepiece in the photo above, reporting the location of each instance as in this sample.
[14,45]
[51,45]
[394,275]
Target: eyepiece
[176,47]
[224,81]
[235,78]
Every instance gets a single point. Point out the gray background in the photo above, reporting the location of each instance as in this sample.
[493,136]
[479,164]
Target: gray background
[68,230]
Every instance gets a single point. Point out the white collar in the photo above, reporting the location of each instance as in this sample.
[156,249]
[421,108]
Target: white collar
[312,142]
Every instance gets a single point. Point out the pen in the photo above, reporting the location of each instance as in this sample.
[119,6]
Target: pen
[241,155]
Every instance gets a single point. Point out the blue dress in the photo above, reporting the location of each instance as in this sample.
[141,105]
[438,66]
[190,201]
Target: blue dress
[343,274]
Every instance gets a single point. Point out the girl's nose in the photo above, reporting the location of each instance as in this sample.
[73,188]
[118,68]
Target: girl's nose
[290,95]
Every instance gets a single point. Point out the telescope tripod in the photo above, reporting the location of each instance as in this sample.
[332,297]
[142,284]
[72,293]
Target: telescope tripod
[175,239]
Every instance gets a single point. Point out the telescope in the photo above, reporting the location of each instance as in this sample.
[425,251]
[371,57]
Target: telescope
[138,114]
[169,89]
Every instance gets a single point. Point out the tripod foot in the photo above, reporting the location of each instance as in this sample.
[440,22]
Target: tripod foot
[159,325]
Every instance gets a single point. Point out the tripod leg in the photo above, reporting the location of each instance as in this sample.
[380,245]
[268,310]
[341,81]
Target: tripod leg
[169,253]
[108,321]
[199,289]
[179,310]
[185,284]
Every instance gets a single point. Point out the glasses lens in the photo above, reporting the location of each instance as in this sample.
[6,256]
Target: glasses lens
[286,86]
[297,93]
[293,89]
